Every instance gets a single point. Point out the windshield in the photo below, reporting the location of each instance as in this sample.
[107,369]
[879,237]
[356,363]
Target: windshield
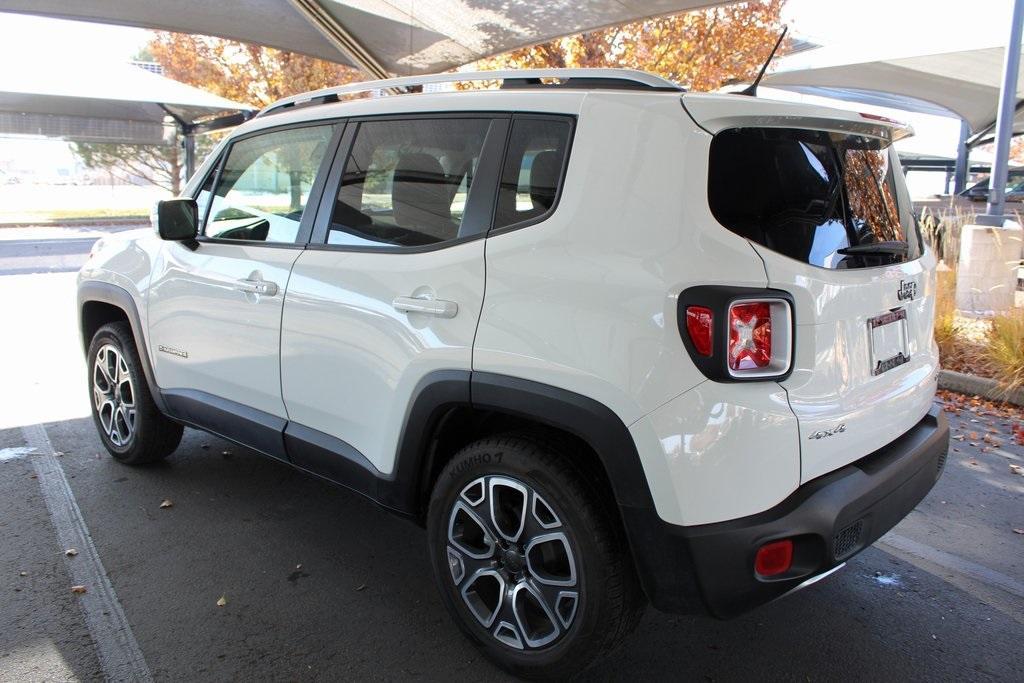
[814,196]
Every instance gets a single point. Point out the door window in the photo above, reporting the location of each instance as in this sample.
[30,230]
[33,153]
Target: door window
[264,184]
[406,182]
[532,175]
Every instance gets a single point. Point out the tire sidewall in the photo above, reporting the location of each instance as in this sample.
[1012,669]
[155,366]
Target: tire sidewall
[465,467]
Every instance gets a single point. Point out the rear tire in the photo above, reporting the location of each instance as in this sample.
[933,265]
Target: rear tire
[528,559]
[132,428]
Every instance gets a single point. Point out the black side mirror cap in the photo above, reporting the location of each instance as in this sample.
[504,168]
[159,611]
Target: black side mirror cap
[177,220]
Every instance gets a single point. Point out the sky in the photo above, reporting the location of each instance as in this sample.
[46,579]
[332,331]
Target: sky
[865,28]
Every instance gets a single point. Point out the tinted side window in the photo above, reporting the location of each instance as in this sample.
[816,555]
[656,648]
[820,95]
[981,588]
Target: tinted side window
[264,184]
[531,177]
[406,183]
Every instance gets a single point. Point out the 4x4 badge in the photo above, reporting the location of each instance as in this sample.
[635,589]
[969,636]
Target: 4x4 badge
[823,433]
[907,291]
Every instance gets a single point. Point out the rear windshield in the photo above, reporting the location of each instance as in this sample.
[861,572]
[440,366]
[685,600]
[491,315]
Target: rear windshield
[827,199]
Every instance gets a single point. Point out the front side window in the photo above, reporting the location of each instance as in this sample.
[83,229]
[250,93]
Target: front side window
[533,170]
[406,182]
[827,199]
[264,185]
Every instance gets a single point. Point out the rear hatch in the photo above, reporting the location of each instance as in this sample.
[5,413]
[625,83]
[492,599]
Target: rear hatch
[821,197]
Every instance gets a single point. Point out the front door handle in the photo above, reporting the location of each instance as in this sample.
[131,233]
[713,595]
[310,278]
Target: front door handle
[438,308]
[258,286]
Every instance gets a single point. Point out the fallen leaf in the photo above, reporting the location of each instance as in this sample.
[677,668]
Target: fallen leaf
[973,462]
[1017,469]
[223,601]
[70,552]
[973,435]
[166,503]
[298,567]
[26,573]
[361,587]
[1019,531]
[78,589]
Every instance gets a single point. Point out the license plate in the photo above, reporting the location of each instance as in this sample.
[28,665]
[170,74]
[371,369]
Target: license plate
[888,340]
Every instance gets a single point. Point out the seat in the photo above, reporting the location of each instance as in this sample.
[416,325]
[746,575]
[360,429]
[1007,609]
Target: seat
[420,197]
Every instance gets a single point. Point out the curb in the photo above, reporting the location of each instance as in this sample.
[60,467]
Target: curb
[979,386]
[79,222]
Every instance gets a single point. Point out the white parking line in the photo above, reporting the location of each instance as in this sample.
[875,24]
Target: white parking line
[116,648]
[953,563]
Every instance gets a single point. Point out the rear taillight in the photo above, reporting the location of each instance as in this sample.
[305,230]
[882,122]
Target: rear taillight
[737,334]
[759,338]
[750,336]
[700,323]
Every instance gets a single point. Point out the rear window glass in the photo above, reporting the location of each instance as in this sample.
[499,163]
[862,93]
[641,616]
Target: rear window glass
[826,199]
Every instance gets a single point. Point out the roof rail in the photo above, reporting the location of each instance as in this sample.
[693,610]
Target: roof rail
[518,78]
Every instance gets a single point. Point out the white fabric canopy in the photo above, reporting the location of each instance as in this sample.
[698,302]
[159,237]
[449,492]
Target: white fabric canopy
[384,37]
[115,103]
[965,83]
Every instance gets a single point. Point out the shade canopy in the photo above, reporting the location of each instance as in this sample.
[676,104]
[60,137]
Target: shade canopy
[383,37]
[112,103]
[963,83]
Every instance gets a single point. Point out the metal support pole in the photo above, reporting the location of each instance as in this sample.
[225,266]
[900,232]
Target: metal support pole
[190,154]
[963,153]
[1004,123]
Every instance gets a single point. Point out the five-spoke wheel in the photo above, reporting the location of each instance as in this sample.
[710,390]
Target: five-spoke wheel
[512,563]
[130,425]
[528,560]
[113,395]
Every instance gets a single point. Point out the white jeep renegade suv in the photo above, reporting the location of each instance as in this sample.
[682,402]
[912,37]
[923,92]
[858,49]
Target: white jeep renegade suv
[609,342]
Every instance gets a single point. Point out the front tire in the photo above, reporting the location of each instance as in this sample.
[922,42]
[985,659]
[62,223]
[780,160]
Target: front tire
[528,559]
[132,428]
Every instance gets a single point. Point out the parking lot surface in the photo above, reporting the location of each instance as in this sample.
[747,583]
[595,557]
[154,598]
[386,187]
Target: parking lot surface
[316,583]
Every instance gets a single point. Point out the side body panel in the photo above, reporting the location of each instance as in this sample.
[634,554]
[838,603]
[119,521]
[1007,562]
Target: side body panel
[586,301]
[350,361]
[207,334]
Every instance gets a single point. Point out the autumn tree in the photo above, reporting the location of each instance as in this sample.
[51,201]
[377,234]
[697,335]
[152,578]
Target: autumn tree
[250,74]
[703,49]
[241,72]
[160,165]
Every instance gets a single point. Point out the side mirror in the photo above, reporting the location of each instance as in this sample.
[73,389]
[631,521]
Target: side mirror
[177,220]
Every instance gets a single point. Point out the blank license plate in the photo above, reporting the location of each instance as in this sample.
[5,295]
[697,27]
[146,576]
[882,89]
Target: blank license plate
[888,340]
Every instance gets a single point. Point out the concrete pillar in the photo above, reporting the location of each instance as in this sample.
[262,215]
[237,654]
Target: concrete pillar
[986,277]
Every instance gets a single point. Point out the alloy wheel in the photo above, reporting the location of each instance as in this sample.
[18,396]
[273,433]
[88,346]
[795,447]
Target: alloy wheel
[114,395]
[511,562]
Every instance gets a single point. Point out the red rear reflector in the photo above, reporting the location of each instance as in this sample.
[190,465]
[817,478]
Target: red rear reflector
[750,336]
[699,325]
[774,558]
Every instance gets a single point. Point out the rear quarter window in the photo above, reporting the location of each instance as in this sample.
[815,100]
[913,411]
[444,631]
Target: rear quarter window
[827,199]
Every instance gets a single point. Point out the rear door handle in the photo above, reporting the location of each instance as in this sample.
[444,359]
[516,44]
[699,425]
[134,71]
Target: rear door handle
[255,286]
[439,308]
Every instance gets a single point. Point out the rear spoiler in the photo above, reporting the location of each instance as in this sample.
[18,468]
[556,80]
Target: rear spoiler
[715,113]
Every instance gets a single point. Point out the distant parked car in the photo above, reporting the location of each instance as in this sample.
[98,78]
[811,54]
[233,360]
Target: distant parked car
[1014,189]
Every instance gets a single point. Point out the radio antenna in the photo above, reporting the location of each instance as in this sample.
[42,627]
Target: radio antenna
[751,89]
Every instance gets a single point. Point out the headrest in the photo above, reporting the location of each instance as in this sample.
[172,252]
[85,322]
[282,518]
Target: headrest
[419,196]
[544,175]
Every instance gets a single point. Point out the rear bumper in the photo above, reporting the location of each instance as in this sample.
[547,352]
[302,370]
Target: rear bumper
[830,519]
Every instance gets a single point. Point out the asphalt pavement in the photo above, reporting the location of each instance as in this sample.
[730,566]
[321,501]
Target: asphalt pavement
[317,583]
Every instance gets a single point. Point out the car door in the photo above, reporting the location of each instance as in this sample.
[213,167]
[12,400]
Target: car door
[215,309]
[390,288]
